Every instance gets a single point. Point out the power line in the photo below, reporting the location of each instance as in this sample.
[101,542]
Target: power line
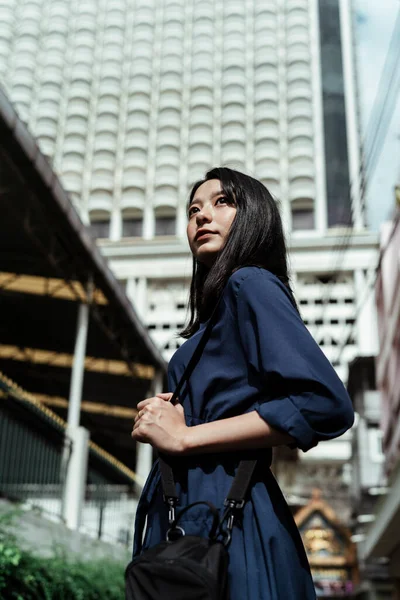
[371,286]
[379,121]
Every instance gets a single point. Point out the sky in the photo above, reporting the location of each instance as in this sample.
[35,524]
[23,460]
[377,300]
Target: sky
[374,23]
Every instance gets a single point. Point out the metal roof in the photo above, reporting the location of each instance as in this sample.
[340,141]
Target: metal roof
[49,264]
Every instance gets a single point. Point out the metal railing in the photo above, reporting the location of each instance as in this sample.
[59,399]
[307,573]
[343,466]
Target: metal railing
[32,467]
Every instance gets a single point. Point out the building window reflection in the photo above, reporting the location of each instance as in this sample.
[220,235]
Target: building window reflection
[132,223]
[165,221]
[99,224]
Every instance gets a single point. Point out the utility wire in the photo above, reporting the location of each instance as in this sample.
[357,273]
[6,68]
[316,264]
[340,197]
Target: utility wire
[371,286]
[378,124]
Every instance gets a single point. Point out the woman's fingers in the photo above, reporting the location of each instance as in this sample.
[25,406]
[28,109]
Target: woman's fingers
[166,396]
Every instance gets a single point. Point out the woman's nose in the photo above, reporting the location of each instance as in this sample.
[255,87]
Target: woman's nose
[204,215]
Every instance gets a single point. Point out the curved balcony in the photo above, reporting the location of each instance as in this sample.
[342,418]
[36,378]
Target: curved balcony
[46,128]
[267,149]
[102,181]
[105,140]
[168,136]
[234,152]
[266,129]
[106,123]
[72,182]
[137,124]
[301,147]
[267,167]
[170,98]
[298,36]
[201,134]
[266,110]
[300,107]
[169,117]
[134,177]
[165,194]
[298,52]
[78,107]
[298,18]
[201,115]
[104,160]
[173,63]
[169,157]
[234,113]
[135,157]
[299,70]
[202,97]
[302,187]
[299,89]
[140,84]
[200,153]
[300,127]
[139,103]
[171,81]
[48,109]
[133,197]
[300,168]
[233,132]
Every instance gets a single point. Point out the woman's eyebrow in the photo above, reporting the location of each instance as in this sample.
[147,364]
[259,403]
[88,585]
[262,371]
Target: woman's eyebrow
[200,200]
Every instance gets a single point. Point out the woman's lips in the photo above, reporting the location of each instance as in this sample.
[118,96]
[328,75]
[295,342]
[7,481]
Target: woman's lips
[201,235]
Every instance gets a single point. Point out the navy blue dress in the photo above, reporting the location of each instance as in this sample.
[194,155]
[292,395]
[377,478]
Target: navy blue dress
[261,357]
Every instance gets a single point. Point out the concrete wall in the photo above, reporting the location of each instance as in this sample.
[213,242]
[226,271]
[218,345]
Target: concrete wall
[45,537]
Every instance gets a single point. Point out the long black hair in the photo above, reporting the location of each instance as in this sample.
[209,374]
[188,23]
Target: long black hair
[255,238]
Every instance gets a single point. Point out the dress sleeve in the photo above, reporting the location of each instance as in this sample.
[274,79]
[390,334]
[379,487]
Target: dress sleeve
[304,397]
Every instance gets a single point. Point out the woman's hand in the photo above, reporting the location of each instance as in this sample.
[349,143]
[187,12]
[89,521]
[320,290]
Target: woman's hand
[161,424]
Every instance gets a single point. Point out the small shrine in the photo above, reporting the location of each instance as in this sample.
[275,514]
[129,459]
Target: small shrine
[331,553]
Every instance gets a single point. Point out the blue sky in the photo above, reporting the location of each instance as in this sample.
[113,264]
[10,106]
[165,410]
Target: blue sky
[374,25]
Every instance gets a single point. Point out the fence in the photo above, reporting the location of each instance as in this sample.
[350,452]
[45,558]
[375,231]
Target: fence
[33,451]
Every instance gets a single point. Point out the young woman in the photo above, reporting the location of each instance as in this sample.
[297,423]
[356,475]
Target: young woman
[261,381]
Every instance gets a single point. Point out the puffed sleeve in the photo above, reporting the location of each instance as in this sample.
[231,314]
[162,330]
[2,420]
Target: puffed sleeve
[303,394]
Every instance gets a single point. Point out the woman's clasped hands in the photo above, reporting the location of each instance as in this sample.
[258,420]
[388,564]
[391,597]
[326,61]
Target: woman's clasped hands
[161,424]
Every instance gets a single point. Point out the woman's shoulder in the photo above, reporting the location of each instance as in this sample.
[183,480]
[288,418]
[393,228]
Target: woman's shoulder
[248,279]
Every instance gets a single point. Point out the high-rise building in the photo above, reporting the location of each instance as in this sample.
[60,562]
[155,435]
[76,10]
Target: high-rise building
[133,100]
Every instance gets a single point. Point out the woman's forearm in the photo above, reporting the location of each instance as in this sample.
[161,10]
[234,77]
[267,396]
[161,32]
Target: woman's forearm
[243,432]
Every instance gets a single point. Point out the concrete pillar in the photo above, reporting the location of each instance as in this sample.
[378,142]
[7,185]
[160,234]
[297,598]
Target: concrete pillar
[367,329]
[75,455]
[75,479]
[144,452]
[78,367]
[140,301]
[148,222]
[115,224]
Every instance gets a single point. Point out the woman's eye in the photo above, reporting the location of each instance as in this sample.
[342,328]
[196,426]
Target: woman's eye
[192,211]
[223,199]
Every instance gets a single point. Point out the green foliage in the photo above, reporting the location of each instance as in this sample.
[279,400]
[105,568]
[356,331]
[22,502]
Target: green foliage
[24,576]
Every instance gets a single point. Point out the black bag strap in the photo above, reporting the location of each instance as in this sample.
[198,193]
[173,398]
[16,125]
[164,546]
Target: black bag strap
[241,482]
[167,476]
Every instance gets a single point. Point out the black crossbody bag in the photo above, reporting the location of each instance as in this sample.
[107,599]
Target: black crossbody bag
[189,567]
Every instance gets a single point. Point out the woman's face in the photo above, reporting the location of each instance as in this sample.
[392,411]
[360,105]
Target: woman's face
[210,218]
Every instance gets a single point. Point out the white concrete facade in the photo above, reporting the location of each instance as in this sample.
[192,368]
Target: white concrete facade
[133,101]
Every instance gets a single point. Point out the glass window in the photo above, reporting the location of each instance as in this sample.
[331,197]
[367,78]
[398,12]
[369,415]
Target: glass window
[302,219]
[132,227]
[335,130]
[100,228]
[165,225]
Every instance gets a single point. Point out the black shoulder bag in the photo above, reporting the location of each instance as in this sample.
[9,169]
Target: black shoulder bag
[188,567]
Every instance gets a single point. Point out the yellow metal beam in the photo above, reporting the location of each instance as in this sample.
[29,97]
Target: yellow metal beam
[121,412]
[45,286]
[18,393]
[61,359]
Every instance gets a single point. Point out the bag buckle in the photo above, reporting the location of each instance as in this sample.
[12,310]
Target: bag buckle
[171,502]
[229,517]
[234,504]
